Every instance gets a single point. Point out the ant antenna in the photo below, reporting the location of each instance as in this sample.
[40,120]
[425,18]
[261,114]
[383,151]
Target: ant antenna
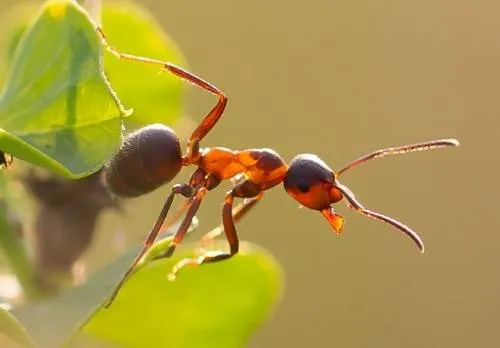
[428,145]
[354,204]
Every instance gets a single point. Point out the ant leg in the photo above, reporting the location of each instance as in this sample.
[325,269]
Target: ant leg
[210,182]
[428,145]
[181,232]
[185,190]
[176,215]
[208,121]
[238,213]
[195,181]
[214,256]
[245,189]
[354,204]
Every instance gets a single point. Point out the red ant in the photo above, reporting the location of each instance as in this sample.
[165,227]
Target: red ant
[151,157]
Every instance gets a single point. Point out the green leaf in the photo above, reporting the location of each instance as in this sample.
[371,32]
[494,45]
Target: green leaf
[155,97]
[216,305]
[57,110]
[11,328]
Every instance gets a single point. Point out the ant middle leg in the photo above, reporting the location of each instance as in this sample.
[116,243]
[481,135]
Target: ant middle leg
[245,189]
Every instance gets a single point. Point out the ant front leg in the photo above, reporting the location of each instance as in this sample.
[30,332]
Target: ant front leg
[208,121]
[245,189]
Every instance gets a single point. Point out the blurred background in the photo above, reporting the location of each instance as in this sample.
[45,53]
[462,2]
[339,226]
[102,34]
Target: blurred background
[339,79]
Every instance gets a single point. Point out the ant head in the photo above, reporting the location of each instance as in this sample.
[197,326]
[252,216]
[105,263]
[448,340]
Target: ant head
[312,183]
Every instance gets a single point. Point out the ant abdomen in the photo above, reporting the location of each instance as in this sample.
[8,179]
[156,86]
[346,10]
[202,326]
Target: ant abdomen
[146,159]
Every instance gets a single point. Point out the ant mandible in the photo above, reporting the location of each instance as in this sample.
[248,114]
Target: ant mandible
[151,157]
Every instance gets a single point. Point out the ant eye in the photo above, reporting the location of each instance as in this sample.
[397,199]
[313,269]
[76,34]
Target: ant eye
[303,186]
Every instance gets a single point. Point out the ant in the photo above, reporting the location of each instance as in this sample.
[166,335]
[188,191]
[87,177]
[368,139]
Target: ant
[151,157]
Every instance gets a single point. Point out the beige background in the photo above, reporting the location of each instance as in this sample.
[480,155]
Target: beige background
[341,78]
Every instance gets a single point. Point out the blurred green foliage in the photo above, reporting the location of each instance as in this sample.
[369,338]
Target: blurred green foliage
[214,305]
